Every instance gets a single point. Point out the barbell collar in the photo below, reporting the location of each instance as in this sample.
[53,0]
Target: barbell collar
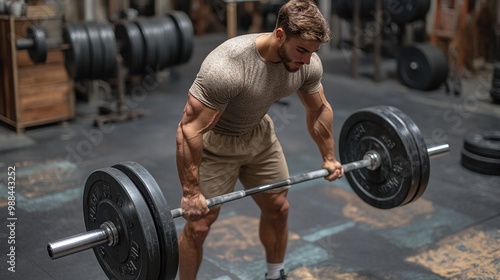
[371,160]
[107,234]
[374,160]
[111,233]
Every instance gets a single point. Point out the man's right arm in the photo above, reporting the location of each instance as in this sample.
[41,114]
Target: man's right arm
[197,119]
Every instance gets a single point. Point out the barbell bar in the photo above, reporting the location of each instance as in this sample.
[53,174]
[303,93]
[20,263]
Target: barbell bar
[370,161]
[107,234]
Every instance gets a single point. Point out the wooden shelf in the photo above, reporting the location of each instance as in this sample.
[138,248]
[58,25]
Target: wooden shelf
[31,94]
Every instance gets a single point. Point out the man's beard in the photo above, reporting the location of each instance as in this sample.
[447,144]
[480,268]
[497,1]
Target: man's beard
[285,59]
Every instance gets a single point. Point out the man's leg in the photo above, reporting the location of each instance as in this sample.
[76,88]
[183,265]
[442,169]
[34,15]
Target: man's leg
[218,175]
[269,166]
[191,244]
[273,230]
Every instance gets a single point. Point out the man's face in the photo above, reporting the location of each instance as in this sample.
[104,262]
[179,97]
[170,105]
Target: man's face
[296,52]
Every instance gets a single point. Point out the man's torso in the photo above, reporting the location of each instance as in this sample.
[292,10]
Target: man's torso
[235,79]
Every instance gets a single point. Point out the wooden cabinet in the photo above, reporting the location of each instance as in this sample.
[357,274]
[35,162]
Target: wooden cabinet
[464,30]
[31,94]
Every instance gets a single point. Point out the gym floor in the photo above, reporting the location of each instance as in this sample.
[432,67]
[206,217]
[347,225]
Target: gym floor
[451,232]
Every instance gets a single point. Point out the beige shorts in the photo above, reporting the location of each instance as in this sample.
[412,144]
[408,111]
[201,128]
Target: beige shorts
[255,158]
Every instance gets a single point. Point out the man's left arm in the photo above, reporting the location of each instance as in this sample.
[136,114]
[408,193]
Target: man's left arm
[320,125]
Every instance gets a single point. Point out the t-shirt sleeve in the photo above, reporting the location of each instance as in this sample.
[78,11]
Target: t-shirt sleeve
[216,82]
[314,73]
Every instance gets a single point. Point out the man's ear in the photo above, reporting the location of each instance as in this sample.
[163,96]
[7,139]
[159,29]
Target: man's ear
[280,34]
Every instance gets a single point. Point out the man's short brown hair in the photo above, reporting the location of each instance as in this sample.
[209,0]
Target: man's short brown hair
[303,19]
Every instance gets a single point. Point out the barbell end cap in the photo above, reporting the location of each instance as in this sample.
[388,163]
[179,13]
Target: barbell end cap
[50,251]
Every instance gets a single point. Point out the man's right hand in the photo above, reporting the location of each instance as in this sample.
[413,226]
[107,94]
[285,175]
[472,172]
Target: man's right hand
[194,207]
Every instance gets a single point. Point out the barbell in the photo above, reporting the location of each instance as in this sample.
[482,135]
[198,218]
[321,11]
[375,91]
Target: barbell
[131,228]
[35,42]
[147,44]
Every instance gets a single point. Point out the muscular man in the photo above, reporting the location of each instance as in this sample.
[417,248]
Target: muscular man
[225,133]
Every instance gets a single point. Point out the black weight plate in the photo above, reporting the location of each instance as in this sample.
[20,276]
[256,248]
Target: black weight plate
[421,148]
[149,37]
[76,58]
[480,164]
[96,51]
[391,113]
[422,66]
[406,11]
[38,52]
[185,34]
[396,181]
[165,44]
[131,45]
[161,49]
[165,226]
[483,143]
[171,42]
[157,33]
[109,48]
[109,195]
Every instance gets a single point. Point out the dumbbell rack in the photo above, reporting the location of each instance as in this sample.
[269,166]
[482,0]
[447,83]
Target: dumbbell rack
[31,94]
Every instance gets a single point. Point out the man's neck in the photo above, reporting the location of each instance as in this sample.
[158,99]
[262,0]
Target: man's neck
[267,46]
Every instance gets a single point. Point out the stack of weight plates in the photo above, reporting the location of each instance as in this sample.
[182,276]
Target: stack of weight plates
[481,152]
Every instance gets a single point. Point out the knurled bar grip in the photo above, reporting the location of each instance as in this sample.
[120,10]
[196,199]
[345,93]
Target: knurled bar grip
[108,235]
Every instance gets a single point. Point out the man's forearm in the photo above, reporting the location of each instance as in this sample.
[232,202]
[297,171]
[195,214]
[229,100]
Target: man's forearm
[320,125]
[188,156]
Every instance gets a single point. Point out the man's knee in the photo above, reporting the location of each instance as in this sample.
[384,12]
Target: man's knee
[197,231]
[277,212]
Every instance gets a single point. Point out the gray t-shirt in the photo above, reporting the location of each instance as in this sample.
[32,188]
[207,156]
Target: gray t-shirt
[236,80]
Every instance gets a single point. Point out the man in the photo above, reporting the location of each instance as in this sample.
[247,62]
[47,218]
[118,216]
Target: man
[225,133]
